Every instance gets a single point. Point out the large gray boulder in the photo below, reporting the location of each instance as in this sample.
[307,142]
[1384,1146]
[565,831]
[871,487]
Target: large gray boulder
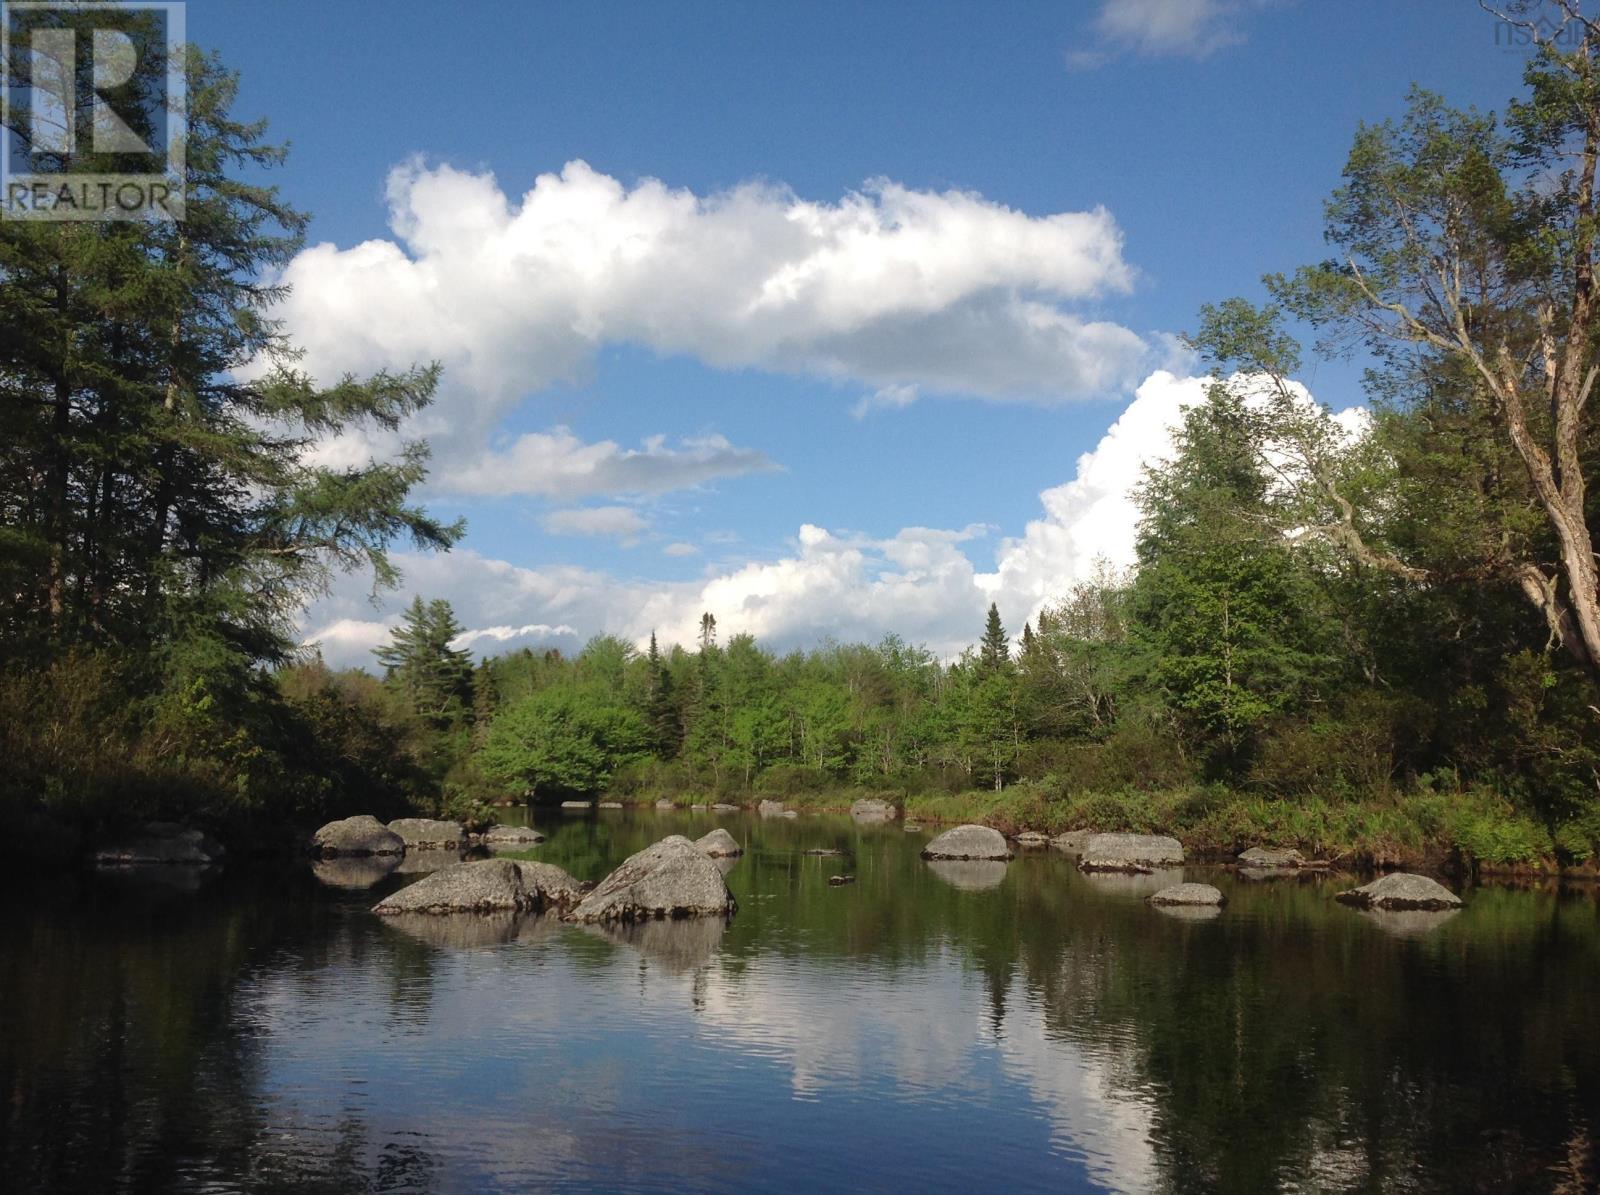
[1188,894]
[489,885]
[719,844]
[870,809]
[1272,856]
[162,843]
[513,837]
[968,842]
[1401,890]
[359,835]
[1130,852]
[673,878]
[428,834]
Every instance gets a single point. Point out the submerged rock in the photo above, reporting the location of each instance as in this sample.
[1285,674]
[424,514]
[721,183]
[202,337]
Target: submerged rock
[826,852]
[871,809]
[489,885]
[968,842]
[840,881]
[1130,852]
[359,835]
[719,844]
[162,843]
[1188,894]
[1272,856]
[511,836]
[1401,890]
[426,833]
[1073,841]
[576,805]
[724,807]
[673,878]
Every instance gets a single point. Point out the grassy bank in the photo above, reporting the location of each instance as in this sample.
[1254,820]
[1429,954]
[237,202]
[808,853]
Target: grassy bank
[1472,829]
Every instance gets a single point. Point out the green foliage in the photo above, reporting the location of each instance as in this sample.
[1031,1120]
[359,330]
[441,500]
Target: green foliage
[563,741]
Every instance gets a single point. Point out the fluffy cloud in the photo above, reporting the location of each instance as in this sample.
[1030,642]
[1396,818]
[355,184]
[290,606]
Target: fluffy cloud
[617,522]
[558,464]
[920,582]
[887,286]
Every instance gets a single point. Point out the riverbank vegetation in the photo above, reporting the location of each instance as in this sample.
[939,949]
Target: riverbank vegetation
[1377,640]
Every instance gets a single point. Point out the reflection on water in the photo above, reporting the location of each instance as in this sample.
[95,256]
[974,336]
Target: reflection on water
[969,875]
[1035,1028]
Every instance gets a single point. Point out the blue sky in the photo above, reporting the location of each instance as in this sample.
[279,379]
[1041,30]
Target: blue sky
[1185,146]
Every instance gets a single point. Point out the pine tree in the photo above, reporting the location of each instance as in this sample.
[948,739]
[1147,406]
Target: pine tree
[661,713]
[419,660]
[995,648]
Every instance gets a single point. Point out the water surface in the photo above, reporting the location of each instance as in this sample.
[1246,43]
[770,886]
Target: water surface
[950,1027]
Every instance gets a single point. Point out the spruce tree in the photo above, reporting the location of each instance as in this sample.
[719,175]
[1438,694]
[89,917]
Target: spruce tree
[420,661]
[994,650]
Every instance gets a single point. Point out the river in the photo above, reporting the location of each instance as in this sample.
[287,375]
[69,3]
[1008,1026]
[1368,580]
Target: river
[944,1027]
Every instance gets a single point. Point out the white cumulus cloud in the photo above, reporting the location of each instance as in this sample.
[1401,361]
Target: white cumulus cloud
[887,286]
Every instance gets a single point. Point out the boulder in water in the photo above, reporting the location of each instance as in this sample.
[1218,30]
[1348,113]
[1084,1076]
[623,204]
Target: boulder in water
[1272,856]
[1401,890]
[513,837]
[1130,852]
[840,881]
[719,844]
[673,878]
[770,808]
[871,809]
[1188,894]
[359,835]
[488,885]
[968,842]
[428,834]
[1031,838]
[162,843]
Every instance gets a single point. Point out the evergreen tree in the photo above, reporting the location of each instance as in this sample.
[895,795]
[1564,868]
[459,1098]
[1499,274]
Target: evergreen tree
[994,651]
[436,678]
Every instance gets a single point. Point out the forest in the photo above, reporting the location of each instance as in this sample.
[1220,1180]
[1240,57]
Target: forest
[1379,642]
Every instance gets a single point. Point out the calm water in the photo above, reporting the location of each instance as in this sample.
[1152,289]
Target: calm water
[966,1027]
